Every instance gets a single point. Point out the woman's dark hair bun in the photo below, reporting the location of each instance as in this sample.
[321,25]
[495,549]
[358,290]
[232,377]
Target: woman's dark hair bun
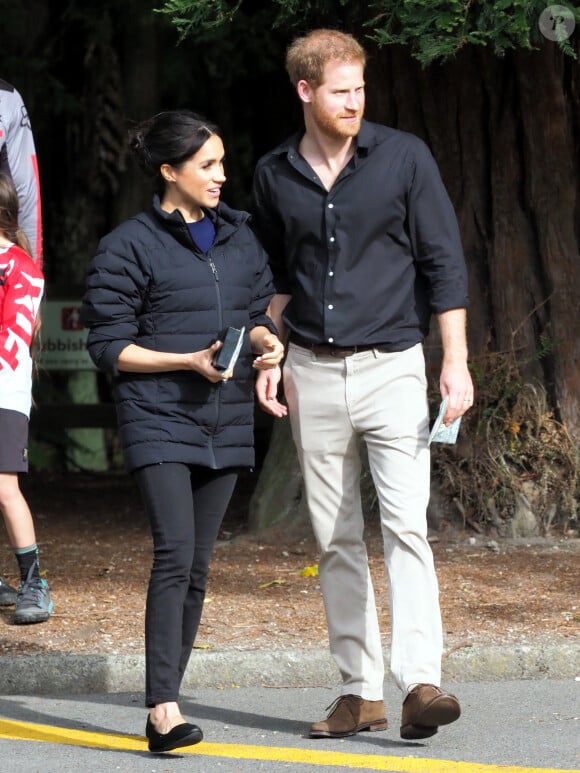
[138,145]
[170,137]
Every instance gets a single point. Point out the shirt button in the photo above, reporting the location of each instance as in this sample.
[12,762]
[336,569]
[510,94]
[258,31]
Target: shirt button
[331,206]
[330,306]
[331,340]
[331,273]
[331,238]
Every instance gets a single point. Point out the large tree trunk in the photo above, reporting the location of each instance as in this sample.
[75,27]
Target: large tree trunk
[278,496]
[549,102]
[142,50]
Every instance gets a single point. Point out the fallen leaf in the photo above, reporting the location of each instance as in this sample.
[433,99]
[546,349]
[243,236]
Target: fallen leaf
[272,582]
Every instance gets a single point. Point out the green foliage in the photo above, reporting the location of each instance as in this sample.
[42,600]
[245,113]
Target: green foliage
[436,29]
[546,346]
[433,29]
[193,17]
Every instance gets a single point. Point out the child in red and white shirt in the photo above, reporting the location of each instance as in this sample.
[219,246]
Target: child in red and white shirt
[21,287]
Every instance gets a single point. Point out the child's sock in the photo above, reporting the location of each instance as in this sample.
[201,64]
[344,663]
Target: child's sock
[28,558]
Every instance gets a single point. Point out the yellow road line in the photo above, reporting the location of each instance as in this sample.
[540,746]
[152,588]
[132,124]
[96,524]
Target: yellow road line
[25,731]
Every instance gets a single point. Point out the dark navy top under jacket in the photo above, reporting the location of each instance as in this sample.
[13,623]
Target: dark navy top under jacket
[151,286]
[368,261]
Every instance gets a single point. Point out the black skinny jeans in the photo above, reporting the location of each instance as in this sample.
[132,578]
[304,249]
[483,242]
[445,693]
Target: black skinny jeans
[185,505]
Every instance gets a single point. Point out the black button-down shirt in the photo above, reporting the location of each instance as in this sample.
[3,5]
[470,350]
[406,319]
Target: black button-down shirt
[369,260]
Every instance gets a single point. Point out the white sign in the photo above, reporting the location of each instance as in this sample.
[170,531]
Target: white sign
[63,338]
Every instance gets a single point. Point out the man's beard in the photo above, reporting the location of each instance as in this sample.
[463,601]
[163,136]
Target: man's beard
[333,126]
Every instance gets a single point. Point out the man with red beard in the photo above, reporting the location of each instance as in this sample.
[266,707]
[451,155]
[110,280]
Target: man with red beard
[364,247]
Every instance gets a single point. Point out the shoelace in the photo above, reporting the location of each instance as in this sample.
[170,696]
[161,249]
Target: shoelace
[32,591]
[334,705]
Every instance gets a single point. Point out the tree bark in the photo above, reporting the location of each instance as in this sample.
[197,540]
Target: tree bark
[278,496]
[551,166]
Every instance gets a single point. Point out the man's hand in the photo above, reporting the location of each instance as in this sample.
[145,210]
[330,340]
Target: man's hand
[456,385]
[455,382]
[267,383]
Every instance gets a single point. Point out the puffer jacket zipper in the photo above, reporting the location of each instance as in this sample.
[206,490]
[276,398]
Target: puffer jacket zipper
[216,280]
[220,384]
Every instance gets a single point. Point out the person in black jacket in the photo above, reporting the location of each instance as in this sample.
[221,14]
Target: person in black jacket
[161,291]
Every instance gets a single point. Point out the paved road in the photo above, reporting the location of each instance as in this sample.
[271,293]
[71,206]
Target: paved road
[506,727]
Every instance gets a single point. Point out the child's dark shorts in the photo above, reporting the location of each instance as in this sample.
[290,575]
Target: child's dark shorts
[13,441]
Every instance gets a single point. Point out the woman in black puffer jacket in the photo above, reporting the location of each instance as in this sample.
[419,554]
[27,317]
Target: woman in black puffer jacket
[161,291]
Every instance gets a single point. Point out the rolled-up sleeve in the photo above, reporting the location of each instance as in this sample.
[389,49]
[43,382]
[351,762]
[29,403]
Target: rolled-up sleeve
[434,233]
[115,287]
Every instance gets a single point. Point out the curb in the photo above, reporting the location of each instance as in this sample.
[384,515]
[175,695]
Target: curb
[80,674]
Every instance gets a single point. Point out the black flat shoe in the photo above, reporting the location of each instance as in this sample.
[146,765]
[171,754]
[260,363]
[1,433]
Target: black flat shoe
[184,734]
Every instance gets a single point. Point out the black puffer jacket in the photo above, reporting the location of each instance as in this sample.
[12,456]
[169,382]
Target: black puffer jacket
[150,285]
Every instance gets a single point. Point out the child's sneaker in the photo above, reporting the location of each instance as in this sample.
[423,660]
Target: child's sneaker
[7,594]
[33,603]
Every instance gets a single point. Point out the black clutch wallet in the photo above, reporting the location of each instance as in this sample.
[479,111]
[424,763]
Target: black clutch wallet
[228,354]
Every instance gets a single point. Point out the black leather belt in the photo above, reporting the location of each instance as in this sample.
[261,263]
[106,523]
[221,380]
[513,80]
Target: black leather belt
[330,350]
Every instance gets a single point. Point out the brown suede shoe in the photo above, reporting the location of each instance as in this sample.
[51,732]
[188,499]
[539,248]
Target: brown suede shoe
[348,715]
[424,709]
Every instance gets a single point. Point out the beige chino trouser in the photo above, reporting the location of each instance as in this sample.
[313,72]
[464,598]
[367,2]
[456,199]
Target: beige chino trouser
[380,397]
